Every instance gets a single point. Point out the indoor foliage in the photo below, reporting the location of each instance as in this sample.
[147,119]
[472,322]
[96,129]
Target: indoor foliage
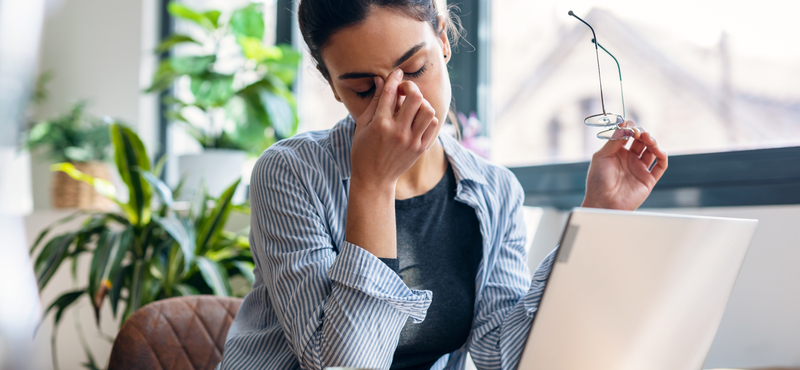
[143,253]
[240,88]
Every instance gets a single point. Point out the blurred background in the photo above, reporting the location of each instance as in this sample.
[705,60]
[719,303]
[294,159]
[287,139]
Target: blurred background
[206,85]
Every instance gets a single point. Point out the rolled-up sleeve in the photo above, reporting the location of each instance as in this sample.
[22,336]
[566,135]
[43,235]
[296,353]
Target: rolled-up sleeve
[336,306]
[510,298]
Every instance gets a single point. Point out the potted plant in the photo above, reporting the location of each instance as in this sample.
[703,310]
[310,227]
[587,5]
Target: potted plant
[238,101]
[81,139]
[144,252]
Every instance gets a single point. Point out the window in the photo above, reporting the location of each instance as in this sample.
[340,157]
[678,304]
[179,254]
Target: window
[702,76]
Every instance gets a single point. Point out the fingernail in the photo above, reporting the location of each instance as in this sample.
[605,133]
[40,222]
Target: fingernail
[399,73]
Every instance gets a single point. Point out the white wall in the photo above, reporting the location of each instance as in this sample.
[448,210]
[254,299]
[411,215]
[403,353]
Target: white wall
[761,325]
[100,51]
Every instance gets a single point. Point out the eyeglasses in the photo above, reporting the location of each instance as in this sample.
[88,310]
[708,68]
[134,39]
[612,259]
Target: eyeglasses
[607,119]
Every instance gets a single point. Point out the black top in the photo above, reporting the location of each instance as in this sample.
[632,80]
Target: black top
[438,249]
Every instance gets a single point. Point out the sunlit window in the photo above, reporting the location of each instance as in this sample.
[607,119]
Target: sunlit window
[702,76]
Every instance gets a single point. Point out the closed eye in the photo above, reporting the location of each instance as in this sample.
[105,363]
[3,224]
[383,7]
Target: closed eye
[417,74]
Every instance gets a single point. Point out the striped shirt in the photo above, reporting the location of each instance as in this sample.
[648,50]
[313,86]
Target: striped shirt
[320,301]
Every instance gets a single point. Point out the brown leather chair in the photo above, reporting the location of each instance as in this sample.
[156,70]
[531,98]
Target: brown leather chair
[175,334]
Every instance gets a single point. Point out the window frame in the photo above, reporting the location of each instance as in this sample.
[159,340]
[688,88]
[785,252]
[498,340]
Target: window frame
[757,177]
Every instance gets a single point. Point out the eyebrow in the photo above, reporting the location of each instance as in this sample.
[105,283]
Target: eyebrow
[410,53]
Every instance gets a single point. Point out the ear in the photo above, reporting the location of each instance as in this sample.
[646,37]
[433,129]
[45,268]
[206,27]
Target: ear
[446,51]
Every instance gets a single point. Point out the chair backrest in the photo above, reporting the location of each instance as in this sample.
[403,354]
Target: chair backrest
[175,333]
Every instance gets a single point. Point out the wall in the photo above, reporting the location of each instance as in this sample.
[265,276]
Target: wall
[761,325]
[100,51]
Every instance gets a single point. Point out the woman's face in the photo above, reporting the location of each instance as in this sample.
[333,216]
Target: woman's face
[385,41]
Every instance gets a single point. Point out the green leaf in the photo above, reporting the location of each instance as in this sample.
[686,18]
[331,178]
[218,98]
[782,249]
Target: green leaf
[197,210]
[51,257]
[210,228]
[186,290]
[62,302]
[183,232]
[51,226]
[99,261]
[130,156]
[246,269]
[281,114]
[211,89]
[192,65]
[173,40]
[248,21]
[163,78]
[116,288]
[119,243]
[213,17]
[103,187]
[162,190]
[137,286]
[215,276]
[254,49]
[182,11]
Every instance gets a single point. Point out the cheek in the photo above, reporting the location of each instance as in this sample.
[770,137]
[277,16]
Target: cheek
[436,89]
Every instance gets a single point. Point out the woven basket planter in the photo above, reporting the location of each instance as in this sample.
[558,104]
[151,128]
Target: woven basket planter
[71,193]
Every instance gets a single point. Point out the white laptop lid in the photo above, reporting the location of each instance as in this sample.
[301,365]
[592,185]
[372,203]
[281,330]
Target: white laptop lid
[635,290]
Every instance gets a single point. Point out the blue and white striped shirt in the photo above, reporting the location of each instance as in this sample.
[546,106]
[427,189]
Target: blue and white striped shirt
[321,301]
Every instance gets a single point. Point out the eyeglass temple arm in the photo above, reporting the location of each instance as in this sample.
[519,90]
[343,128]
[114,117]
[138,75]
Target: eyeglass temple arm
[597,53]
[619,70]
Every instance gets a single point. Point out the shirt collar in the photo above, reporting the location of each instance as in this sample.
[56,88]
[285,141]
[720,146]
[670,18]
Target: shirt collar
[466,165]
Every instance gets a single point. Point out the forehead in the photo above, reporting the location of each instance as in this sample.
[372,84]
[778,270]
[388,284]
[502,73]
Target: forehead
[376,42]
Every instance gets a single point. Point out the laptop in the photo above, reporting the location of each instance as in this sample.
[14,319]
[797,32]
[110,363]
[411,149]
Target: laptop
[636,290]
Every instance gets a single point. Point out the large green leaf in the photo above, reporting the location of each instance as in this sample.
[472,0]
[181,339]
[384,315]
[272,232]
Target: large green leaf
[253,48]
[62,302]
[163,78]
[197,209]
[186,290]
[51,226]
[130,156]
[116,288]
[213,17]
[192,65]
[162,190]
[136,290]
[99,262]
[211,227]
[211,89]
[246,269]
[248,21]
[173,40]
[286,67]
[51,257]
[183,232]
[182,11]
[117,245]
[215,276]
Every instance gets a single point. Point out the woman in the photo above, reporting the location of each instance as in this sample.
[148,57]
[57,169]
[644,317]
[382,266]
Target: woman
[380,243]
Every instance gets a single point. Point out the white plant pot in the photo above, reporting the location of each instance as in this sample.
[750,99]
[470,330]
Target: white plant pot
[217,169]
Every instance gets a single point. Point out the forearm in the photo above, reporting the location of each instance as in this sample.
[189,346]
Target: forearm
[371,218]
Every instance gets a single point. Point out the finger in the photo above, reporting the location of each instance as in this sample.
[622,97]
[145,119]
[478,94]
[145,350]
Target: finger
[637,147]
[660,155]
[648,158]
[388,94]
[373,104]
[411,104]
[428,135]
[423,119]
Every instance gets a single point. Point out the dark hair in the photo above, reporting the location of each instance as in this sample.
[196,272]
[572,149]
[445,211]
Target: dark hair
[320,19]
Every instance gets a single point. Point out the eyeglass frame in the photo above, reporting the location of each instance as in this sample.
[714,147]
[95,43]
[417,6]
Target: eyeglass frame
[614,125]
